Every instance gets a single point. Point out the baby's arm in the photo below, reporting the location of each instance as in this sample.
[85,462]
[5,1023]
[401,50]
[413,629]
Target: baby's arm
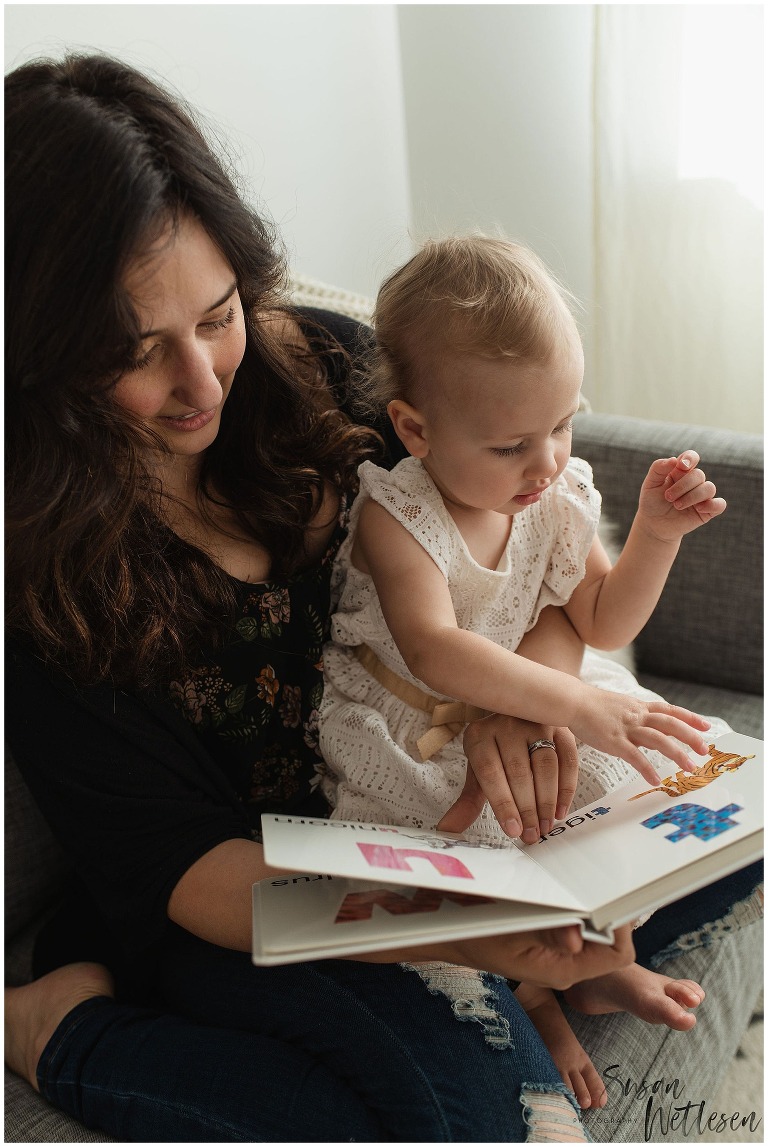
[419,613]
[610,606]
[418,610]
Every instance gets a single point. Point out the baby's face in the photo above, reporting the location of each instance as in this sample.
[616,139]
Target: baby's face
[499,430]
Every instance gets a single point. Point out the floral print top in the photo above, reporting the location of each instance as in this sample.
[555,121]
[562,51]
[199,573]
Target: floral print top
[254,700]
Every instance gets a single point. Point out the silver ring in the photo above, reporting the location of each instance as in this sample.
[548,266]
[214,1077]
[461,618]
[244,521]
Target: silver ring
[542,744]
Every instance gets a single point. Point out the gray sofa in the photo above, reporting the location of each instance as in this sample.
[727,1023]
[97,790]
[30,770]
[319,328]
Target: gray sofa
[703,648]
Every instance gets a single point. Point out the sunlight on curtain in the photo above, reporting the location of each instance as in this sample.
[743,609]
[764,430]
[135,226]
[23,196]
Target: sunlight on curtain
[678,213]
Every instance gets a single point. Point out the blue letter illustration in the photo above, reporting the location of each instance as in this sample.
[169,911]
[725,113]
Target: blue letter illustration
[694,820]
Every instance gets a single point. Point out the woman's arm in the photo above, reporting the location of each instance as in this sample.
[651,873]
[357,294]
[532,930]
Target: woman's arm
[213,897]
[129,798]
[127,788]
[213,900]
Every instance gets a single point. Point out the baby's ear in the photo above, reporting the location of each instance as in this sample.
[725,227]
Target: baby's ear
[410,427]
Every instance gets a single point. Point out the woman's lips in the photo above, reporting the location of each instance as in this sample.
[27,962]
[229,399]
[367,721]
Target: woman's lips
[191,422]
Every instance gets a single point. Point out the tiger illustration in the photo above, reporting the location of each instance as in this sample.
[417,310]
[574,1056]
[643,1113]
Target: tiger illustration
[682,783]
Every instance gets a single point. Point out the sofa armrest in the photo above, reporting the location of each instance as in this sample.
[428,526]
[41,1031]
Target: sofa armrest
[708,625]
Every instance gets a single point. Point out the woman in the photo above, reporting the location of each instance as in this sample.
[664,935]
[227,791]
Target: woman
[178,469]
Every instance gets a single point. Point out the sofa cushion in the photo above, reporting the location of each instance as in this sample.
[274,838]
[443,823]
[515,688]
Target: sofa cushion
[742,711]
[34,864]
[31,1119]
[708,624]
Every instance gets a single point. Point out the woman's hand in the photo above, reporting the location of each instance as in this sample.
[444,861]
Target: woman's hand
[526,792]
[548,957]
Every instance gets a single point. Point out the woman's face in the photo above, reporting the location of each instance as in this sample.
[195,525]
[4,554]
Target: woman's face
[193,338]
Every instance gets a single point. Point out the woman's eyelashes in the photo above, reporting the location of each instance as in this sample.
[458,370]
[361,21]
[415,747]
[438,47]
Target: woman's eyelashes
[219,324]
[145,360]
[508,451]
[216,324]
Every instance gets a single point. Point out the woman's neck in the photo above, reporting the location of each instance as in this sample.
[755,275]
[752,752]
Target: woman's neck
[179,478]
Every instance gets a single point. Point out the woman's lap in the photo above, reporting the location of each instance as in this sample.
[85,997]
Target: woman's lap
[328,1051]
[396,1037]
[145,1076]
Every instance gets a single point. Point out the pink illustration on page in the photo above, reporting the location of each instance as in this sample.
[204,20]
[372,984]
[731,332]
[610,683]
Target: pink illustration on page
[360,905]
[385,856]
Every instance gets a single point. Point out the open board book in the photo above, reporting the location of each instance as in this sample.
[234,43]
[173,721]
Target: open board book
[373,887]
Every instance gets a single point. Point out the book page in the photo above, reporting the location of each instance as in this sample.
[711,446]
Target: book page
[312,917]
[640,834]
[410,856]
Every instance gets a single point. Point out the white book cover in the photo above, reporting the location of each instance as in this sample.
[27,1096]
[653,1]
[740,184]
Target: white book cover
[378,886]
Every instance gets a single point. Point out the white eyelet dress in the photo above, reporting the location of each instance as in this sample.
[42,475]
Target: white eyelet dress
[372,769]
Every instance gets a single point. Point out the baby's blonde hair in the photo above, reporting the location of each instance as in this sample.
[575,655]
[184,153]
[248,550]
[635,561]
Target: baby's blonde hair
[464,295]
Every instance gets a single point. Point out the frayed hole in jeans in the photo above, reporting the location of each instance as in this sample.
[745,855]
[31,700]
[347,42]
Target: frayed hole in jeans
[551,1117]
[471,996]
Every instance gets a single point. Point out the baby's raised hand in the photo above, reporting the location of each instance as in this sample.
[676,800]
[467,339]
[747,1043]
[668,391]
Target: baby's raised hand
[676,497]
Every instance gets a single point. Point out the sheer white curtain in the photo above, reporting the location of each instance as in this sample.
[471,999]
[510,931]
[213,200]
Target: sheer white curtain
[678,317]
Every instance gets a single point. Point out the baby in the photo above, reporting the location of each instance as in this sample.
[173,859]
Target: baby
[452,556]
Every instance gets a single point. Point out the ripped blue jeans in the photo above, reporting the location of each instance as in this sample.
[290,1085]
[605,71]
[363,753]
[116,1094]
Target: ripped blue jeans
[329,1051]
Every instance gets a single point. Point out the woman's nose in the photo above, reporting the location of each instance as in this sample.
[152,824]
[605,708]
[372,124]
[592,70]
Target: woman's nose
[196,382]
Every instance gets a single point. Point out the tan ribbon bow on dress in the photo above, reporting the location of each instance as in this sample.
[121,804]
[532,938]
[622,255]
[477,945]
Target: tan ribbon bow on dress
[448,717]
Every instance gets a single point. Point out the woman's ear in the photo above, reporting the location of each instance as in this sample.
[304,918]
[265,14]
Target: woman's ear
[410,427]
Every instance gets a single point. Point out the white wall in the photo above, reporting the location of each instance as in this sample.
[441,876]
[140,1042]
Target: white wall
[309,96]
[499,114]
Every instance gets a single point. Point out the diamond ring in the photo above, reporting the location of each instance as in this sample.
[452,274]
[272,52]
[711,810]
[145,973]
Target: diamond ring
[542,744]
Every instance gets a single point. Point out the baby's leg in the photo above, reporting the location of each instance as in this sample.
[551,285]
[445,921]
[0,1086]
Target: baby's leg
[648,995]
[572,1061]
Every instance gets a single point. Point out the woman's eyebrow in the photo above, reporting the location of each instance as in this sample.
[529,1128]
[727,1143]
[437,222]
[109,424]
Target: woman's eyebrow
[228,294]
[219,302]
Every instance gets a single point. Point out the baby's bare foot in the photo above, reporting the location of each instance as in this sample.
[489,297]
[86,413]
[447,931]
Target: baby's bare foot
[648,995]
[34,1011]
[573,1063]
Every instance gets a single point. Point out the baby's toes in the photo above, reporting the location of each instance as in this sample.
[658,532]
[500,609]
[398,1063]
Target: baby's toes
[587,1086]
[598,1094]
[687,993]
[580,1089]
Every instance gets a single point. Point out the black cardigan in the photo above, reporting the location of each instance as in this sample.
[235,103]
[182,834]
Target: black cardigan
[93,756]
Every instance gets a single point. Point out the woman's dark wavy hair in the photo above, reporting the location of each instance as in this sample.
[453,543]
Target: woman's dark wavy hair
[99,162]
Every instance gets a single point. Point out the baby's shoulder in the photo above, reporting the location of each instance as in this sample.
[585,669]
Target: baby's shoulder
[573,498]
[409,495]
[406,478]
[578,474]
